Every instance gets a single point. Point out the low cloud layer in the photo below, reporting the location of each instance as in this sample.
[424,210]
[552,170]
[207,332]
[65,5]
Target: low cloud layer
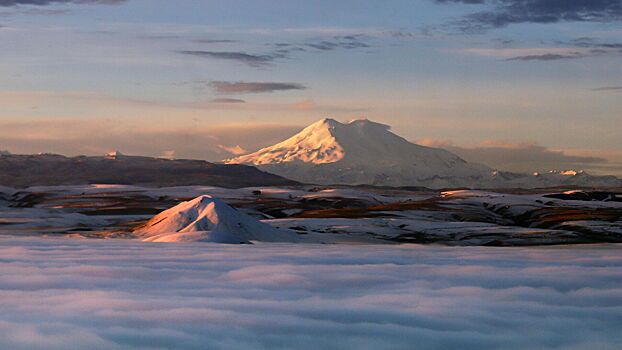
[245,87]
[234,150]
[521,157]
[74,137]
[501,13]
[93,294]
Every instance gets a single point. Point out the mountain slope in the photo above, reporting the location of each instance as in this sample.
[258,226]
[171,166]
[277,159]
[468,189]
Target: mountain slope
[208,219]
[365,152]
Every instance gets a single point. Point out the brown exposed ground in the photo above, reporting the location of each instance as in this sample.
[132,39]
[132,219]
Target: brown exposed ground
[542,221]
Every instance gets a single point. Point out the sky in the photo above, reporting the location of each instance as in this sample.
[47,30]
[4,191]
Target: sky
[118,294]
[522,85]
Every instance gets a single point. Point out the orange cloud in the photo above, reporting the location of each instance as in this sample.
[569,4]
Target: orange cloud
[235,150]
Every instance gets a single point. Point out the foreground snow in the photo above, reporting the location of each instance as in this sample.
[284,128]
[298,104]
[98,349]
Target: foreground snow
[120,294]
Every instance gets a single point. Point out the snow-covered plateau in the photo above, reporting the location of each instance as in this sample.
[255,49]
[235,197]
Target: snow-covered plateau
[307,214]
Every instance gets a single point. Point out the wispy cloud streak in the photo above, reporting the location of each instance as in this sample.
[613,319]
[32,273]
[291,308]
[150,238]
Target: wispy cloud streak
[241,57]
[8,3]
[280,50]
[501,13]
[245,87]
[546,57]
[608,88]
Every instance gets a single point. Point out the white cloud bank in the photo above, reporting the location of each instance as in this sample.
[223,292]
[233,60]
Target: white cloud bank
[88,294]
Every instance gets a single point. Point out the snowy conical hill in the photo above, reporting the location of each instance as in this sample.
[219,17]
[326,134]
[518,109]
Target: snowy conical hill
[209,219]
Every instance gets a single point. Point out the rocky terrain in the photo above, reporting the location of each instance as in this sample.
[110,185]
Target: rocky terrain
[327,214]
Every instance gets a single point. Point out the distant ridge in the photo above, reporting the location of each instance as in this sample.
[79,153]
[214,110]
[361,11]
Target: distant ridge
[115,168]
[365,152]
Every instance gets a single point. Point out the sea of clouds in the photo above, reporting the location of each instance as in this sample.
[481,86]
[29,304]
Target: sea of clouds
[115,294]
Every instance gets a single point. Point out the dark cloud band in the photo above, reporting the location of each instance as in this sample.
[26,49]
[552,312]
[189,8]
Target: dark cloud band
[8,3]
[608,88]
[241,87]
[241,57]
[227,100]
[504,12]
[546,57]
[280,50]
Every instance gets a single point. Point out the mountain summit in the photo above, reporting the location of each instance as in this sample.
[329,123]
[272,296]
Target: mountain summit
[366,152]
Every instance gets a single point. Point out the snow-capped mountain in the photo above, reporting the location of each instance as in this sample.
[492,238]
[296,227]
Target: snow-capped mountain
[365,152]
[361,152]
[211,220]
